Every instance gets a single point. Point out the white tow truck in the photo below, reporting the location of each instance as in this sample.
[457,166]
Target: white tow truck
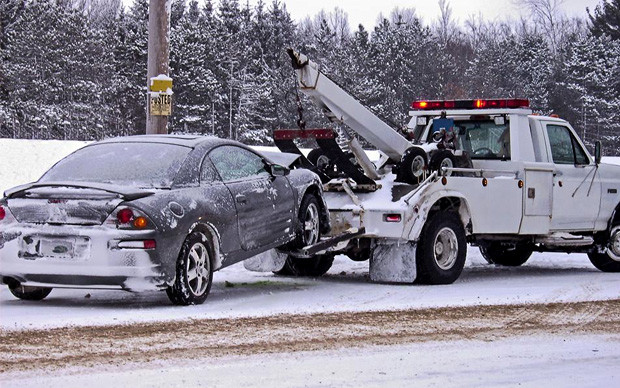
[503,179]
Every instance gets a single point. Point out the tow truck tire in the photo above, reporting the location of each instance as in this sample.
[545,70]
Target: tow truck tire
[313,267]
[442,158]
[28,292]
[412,166]
[509,256]
[319,159]
[608,261]
[442,249]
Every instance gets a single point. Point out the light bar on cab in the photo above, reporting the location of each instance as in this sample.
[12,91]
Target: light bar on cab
[511,103]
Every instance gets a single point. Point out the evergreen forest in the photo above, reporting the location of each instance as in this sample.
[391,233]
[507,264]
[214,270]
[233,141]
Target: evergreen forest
[76,69]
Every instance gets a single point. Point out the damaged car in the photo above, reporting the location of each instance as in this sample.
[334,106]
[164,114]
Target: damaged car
[154,212]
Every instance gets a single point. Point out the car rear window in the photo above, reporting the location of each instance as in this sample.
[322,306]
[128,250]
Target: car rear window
[152,165]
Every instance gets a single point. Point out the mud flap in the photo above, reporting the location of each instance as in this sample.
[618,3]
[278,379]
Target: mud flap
[393,262]
[272,260]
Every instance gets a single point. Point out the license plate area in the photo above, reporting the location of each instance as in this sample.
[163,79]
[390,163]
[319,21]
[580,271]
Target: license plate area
[69,248]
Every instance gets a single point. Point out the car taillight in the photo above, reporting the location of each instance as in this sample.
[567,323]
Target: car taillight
[124,216]
[129,218]
[140,222]
[2,213]
[149,244]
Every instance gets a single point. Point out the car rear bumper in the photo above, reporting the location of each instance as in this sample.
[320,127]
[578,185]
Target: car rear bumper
[95,259]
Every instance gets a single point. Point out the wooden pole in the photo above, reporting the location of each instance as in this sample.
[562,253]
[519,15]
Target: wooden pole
[158,57]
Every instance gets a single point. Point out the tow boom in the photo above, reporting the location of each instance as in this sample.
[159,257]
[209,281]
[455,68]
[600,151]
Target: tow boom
[341,106]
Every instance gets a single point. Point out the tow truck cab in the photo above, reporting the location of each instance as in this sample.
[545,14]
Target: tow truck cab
[565,188]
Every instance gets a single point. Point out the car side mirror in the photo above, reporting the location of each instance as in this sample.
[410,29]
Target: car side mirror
[277,170]
[597,152]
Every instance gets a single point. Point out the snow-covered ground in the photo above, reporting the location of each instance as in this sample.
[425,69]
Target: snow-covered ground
[579,361]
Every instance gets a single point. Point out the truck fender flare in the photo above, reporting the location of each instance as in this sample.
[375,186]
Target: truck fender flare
[437,202]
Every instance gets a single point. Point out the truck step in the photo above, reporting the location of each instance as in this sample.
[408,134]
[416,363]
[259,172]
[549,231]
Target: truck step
[565,240]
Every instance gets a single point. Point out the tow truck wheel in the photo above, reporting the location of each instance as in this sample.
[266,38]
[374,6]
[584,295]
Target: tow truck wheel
[442,248]
[440,159]
[512,255]
[314,266]
[29,293]
[319,159]
[412,166]
[609,260]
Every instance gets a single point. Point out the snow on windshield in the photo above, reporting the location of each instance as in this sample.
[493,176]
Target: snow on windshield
[128,164]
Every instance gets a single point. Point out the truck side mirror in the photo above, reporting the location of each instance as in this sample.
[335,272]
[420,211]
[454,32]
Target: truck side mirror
[597,152]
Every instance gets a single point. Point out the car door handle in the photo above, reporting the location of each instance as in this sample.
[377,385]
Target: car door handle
[242,199]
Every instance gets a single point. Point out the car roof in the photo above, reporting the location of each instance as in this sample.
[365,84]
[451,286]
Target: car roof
[191,141]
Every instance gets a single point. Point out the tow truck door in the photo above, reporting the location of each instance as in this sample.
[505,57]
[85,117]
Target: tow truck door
[576,185]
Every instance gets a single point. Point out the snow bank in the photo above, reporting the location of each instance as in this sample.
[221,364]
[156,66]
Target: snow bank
[23,161]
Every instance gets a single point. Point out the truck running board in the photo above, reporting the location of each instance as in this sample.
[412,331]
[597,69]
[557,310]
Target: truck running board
[565,240]
[324,245]
[326,139]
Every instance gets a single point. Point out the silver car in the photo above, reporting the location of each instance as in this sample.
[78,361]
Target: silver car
[154,212]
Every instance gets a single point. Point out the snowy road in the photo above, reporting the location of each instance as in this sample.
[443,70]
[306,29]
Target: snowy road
[546,278]
[579,361]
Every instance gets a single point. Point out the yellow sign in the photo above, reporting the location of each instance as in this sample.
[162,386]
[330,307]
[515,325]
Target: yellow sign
[160,84]
[161,104]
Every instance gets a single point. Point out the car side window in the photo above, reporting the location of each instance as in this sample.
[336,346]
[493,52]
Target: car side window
[234,163]
[564,147]
[208,174]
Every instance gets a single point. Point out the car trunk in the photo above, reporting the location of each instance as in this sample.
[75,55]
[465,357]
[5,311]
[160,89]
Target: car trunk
[63,205]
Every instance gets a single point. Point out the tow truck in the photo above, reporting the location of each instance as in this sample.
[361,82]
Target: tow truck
[487,172]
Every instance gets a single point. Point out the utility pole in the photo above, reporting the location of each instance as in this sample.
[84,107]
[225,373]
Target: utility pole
[158,59]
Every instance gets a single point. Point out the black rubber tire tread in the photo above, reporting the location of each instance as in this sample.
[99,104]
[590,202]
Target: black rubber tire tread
[311,267]
[178,292]
[494,253]
[603,262]
[29,293]
[405,173]
[428,270]
[315,154]
[437,157]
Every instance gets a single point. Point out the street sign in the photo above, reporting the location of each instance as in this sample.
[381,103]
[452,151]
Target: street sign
[160,95]
[161,104]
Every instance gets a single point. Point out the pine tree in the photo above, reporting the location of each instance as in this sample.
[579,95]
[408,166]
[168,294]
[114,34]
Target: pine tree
[606,19]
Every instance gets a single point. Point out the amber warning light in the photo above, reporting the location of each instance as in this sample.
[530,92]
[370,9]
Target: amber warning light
[510,103]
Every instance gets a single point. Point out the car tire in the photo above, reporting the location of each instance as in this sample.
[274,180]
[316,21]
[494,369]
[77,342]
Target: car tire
[309,224]
[442,158]
[441,251]
[509,256]
[608,261]
[310,267]
[412,165]
[28,292]
[194,272]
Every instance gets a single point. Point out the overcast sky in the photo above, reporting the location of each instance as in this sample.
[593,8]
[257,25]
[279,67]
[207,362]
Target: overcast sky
[367,11]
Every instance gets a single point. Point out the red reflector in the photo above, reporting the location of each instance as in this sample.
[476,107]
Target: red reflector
[287,134]
[2,213]
[391,217]
[149,244]
[124,216]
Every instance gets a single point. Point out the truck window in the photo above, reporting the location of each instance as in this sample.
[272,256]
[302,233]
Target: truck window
[564,147]
[484,139]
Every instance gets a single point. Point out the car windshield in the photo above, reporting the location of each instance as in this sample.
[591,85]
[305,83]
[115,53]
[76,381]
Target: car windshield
[151,165]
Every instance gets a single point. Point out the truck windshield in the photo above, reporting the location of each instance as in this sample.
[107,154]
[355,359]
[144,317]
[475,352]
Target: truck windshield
[484,139]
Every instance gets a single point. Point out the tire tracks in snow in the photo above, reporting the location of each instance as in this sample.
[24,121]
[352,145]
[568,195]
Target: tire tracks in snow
[112,346]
